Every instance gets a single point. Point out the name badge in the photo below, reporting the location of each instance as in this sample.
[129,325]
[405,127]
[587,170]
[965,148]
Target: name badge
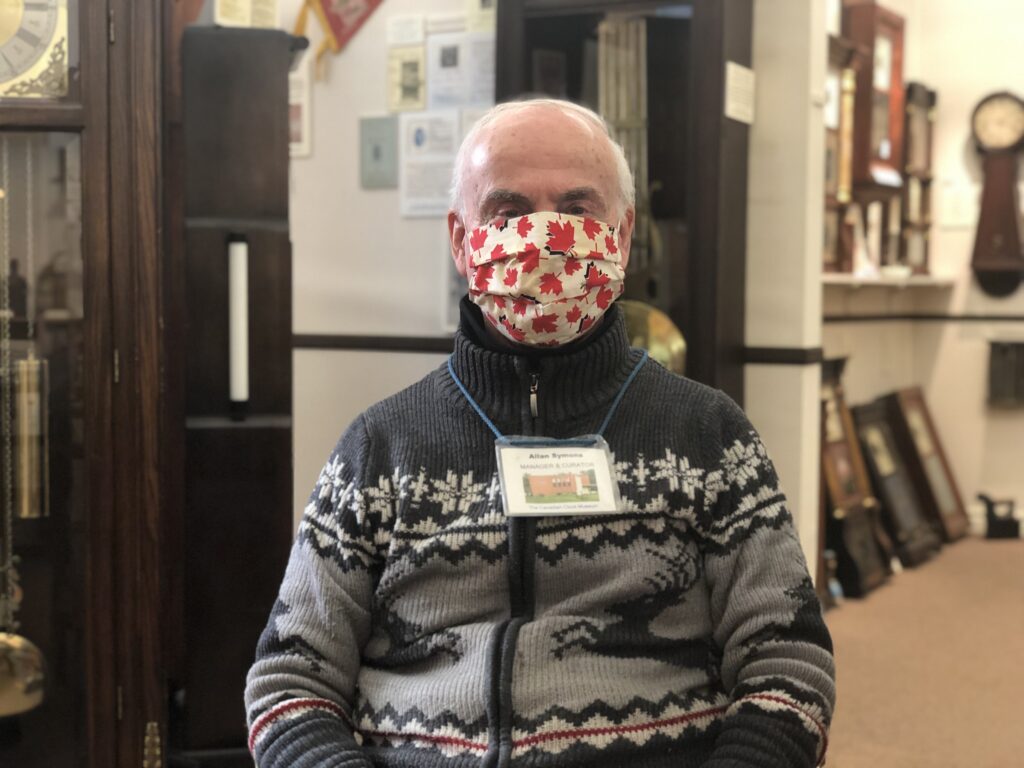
[542,476]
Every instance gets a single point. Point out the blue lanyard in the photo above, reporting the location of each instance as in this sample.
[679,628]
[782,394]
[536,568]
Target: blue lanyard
[601,429]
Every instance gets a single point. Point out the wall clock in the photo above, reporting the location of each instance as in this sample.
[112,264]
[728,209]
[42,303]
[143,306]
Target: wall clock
[998,128]
[33,49]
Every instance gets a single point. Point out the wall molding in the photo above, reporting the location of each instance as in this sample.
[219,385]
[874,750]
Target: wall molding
[783,355]
[923,317]
[345,342]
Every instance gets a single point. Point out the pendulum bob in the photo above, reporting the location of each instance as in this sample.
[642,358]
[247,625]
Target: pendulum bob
[22,675]
[31,465]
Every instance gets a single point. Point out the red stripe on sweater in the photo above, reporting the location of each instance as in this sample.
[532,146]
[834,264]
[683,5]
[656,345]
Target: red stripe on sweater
[269,717]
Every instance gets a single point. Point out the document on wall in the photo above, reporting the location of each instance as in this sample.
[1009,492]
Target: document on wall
[739,92]
[406,78]
[245,13]
[428,142]
[460,70]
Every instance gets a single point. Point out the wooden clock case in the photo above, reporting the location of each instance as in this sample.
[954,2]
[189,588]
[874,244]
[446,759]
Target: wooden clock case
[910,530]
[919,444]
[878,123]
[919,132]
[853,528]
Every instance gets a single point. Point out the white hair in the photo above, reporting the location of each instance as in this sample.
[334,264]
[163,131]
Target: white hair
[627,190]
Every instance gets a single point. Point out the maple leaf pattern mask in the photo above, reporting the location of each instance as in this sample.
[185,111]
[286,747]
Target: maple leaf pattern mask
[544,278]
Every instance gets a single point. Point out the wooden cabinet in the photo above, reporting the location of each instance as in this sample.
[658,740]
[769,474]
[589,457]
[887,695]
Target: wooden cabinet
[230,531]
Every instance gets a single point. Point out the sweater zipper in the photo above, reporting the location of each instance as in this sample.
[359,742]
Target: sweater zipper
[521,598]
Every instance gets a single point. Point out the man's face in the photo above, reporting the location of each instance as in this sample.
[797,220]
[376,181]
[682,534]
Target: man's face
[539,159]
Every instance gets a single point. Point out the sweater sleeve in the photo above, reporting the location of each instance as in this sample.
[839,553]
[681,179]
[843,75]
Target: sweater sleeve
[777,661]
[300,690]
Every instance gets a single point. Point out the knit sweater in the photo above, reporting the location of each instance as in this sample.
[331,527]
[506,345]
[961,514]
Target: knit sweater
[418,626]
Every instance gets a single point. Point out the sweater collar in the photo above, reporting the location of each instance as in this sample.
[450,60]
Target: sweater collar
[578,383]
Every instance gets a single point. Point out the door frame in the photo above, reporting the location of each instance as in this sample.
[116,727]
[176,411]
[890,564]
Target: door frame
[712,313]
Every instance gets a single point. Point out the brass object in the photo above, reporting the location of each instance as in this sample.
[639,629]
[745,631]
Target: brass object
[32,481]
[651,329]
[22,674]
[152,756]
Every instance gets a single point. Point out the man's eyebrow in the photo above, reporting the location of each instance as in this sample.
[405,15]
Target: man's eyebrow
[504,196]
[581,193]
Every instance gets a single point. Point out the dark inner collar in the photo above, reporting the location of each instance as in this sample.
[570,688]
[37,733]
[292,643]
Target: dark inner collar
[575,381]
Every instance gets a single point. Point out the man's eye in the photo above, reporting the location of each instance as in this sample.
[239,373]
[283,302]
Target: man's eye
[578,210]
[508,213]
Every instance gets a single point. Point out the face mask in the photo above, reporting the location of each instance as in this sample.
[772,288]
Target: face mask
[544,278]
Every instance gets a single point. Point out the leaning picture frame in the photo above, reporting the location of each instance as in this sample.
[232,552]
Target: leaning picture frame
[918,442]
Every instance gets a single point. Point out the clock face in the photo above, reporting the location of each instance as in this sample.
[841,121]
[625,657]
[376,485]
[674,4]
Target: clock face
[998,121]
[27,28]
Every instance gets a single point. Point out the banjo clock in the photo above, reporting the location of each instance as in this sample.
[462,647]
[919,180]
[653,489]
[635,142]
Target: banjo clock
[33,49]
[998,128]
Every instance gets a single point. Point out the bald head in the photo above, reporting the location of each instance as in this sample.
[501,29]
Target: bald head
[543,129]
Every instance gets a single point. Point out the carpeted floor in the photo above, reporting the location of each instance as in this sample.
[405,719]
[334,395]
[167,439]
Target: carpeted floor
[930,667]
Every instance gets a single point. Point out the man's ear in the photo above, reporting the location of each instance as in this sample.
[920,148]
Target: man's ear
[457,236]
[625,234]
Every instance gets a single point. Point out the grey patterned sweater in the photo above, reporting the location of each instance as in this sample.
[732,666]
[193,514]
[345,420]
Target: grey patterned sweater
[418,626]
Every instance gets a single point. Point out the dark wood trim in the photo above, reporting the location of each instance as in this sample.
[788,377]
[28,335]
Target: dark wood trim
[177,16]
[923,317]
[326,341]
[100,653]
[135,226]
[510,63]
[48,117]
[783,355]
[717,200]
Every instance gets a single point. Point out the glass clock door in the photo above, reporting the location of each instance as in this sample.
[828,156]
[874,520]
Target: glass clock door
[42,442]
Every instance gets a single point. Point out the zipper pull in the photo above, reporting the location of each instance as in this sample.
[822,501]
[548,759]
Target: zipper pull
[534,386]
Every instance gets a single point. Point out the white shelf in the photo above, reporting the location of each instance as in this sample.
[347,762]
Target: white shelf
[914,281]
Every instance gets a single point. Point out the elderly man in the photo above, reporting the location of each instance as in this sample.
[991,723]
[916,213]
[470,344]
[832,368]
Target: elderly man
[644,602]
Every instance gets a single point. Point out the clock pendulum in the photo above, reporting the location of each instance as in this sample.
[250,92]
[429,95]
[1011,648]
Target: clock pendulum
[31,386]
[22,664]
[998,128]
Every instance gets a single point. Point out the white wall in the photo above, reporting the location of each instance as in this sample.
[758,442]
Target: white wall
[358,267]
[784,223]
[965,50]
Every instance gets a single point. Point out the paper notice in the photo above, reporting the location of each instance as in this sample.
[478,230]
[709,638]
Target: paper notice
[460,70]
[739,92]
[406,79]
[427,145]
[245,13]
